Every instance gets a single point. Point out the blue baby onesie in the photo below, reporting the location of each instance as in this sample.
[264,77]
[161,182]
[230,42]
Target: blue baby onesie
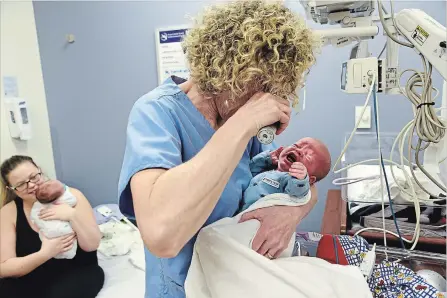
[268,181]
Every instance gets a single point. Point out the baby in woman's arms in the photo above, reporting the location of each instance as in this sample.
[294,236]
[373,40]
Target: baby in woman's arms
[50,193]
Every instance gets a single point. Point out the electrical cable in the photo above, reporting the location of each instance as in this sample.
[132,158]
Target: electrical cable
[401,139]
[352,180]
[381,230]
[383,173]
[382,170]
[338,181]
[383,50]
[394,21]
[416,234]
[366,161]
[428,126]
[401,136]
[389,232]
[387,30]
[417,207]
[348,142]
[384,9]
[373,82]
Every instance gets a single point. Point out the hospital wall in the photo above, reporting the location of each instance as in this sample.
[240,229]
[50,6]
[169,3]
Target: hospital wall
[20,58]
[93,82]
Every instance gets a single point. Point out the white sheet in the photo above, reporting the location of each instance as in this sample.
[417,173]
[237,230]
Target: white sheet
[224,265]
[124,274]
[368,191]
[122,279]
[118,239]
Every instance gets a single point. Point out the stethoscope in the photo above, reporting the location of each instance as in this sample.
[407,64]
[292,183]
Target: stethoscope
[352,180]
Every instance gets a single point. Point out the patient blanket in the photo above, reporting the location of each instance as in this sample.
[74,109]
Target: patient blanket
[224,265]
[56,228]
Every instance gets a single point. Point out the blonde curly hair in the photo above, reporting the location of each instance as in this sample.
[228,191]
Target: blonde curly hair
[260,45]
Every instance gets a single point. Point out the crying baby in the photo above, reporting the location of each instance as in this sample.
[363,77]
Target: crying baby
[291,170]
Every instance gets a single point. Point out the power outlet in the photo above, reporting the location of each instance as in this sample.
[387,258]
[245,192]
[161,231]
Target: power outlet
[366,119]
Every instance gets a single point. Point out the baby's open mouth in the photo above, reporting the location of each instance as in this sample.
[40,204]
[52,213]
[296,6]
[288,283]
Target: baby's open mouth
[291,157]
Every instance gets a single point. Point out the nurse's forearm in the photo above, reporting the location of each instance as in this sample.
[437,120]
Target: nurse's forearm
[182,198]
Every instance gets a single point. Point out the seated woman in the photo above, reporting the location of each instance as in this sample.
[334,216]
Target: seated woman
[27,264]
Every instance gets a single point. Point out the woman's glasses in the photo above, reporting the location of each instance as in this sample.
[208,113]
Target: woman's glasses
[24,185]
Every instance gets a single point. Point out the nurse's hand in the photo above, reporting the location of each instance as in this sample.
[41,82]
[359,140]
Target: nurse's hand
[277,226]
[264,109]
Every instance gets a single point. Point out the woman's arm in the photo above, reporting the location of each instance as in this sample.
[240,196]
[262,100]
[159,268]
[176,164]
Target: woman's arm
[10,264]
[172,205]
[18,267]
[84,224]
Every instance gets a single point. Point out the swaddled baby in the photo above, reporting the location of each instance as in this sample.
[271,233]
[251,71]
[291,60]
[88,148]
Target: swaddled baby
[50,193]
[289,170]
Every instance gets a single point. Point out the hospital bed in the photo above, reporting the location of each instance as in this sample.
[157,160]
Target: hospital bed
[123,265]
[122,279]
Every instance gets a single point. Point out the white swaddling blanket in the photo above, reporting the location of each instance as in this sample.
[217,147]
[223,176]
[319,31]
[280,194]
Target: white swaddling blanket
[224,265]
[56,228]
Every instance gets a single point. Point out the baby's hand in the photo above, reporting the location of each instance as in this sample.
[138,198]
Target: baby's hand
[298,170]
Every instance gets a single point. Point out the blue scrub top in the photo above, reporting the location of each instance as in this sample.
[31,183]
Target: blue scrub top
[165,130]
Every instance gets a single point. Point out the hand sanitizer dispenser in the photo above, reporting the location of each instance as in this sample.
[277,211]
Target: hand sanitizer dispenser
[18,120]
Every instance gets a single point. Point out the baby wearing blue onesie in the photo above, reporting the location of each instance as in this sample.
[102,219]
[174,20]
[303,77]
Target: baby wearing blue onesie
[289,170]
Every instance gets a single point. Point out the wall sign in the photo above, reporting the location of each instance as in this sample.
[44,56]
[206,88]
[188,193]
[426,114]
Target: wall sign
[170,57]
[10,87]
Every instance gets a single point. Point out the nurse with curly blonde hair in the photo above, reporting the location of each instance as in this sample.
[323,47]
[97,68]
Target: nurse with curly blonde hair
[189,142]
